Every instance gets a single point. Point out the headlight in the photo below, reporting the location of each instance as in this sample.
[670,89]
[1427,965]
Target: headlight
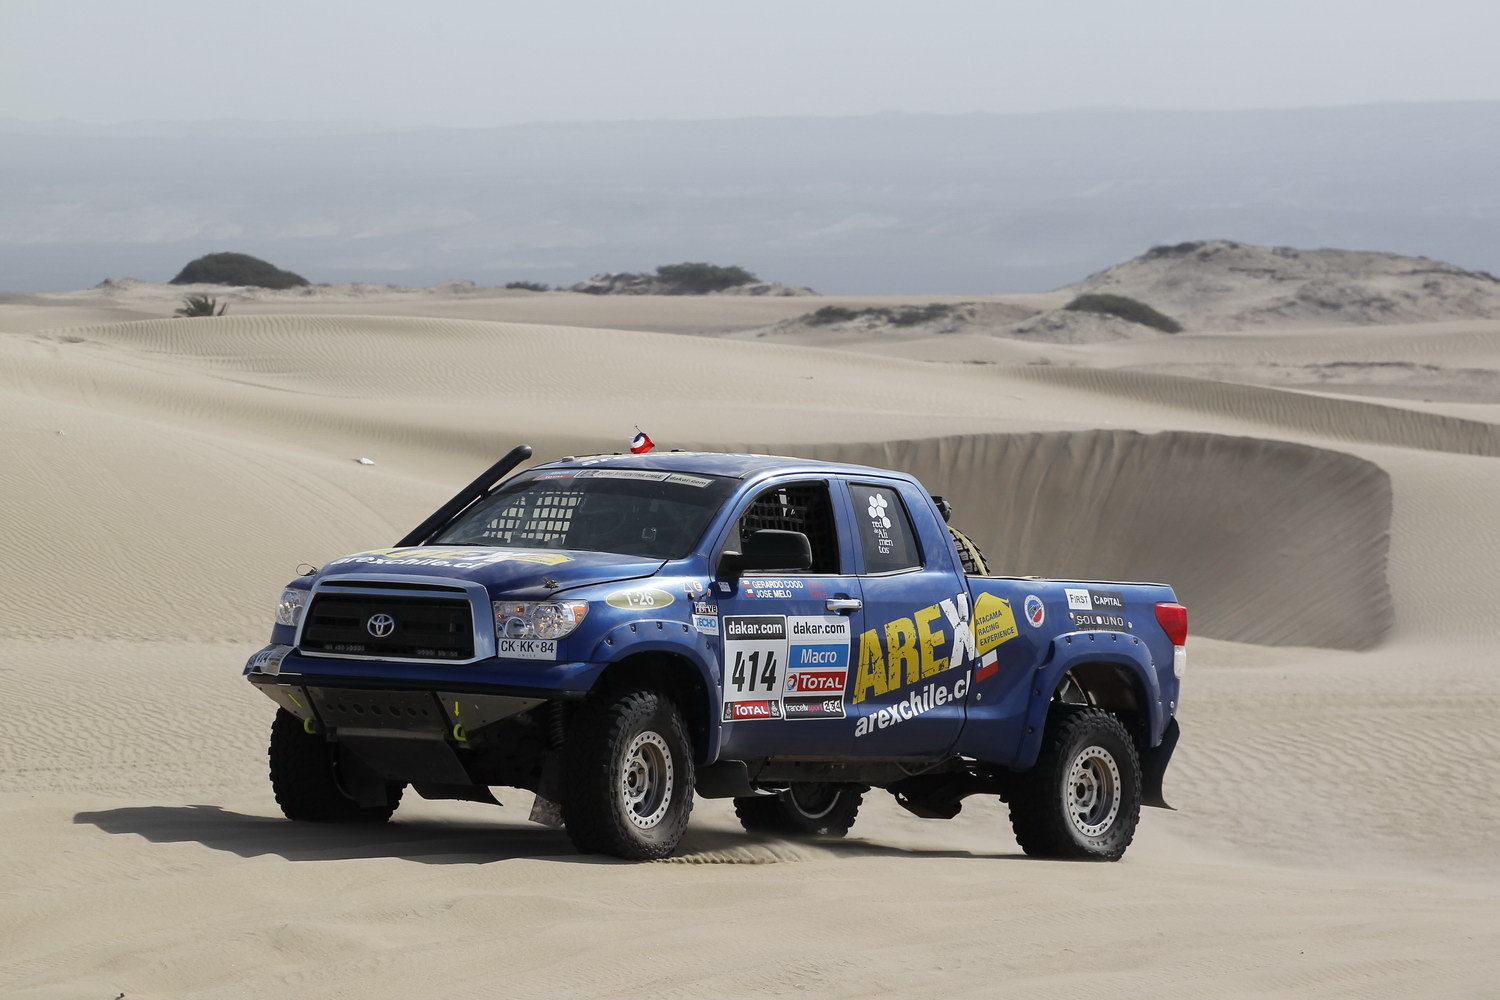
[289,608]
[538,619]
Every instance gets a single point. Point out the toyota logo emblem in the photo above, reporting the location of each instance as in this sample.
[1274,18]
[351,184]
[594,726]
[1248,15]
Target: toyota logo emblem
[380,626]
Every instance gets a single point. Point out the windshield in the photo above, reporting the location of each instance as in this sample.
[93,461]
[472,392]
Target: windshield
[660,515]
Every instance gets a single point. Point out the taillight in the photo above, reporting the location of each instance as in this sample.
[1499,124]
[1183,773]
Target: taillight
[1173,621]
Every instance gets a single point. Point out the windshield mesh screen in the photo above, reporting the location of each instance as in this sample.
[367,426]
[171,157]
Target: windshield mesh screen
[633,511]
[800,507]
[532,520]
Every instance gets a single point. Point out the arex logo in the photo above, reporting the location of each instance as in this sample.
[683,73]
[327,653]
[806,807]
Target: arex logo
[905,651]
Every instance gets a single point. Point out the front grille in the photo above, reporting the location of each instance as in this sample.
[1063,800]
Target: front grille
[416,628]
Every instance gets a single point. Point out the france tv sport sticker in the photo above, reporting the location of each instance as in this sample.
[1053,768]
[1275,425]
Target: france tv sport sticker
[1036,611]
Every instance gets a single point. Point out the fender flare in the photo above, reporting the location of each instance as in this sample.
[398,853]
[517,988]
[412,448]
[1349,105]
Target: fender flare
[680,641]
[1075,649]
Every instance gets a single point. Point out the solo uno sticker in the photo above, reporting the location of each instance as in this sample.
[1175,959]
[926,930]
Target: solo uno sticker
[1036,611]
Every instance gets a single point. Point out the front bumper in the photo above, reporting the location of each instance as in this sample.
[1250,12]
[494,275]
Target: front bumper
[440,700]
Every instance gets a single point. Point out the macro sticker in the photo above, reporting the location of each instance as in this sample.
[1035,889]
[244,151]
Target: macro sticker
[817,667]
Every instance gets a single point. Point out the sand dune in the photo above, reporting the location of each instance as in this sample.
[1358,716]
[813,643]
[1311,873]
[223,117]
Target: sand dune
[1334,834]
[1223,285]
[1267,542]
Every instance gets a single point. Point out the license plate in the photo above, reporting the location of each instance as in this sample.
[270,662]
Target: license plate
[527,649]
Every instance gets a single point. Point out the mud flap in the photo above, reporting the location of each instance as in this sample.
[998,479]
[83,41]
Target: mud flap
[546,809]
[1154,767]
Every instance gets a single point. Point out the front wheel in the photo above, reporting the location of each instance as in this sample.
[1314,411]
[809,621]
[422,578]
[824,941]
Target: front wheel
[629,767]
[806,809]
[310,783]
[1082,800]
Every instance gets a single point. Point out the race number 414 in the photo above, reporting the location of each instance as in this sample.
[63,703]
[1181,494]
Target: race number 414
[755,673]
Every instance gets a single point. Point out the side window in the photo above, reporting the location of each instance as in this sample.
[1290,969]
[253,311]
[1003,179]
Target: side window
[884,528]
[800,507]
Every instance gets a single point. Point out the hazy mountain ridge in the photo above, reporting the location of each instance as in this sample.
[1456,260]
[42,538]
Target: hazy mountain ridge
[895,203]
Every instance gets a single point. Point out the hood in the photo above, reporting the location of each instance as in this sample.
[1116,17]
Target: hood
[513,572]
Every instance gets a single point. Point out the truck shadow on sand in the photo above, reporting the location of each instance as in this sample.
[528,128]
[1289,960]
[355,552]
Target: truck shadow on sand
[453,843]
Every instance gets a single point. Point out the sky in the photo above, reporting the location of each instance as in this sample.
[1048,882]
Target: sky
[496,62]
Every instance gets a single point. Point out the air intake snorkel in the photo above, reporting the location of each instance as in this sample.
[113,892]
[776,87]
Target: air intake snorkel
[480,487]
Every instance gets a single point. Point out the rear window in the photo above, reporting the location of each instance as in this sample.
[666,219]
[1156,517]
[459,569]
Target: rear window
[636,512]
[884,528]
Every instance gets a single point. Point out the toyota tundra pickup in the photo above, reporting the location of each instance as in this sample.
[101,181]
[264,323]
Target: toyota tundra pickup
[619,633]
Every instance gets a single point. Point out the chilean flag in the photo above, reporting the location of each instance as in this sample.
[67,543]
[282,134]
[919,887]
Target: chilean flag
[640,444]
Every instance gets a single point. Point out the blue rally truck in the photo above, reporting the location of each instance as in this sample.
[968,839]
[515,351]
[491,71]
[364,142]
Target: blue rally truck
[616,633]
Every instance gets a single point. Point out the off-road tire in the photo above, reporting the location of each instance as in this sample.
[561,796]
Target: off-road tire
[806,809]
[1082,800]
[305,778]
[628,766]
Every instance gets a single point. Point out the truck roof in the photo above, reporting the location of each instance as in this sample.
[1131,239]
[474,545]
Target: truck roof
[715,464]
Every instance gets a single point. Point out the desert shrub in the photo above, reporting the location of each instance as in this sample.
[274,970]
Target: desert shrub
[917,315]
[1125,308]
[200,305]
[236,269]
[1172,250]
[828,315]
[528,286]
[697,278]
[894,315]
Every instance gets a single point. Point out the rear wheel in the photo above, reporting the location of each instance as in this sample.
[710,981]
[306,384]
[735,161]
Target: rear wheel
[806,809]
[1082,800]
[629,767]
[310,784]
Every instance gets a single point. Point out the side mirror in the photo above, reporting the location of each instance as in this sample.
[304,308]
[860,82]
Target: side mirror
[769,548]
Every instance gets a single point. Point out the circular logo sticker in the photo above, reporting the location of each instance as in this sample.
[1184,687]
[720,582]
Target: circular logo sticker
[1036,611]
